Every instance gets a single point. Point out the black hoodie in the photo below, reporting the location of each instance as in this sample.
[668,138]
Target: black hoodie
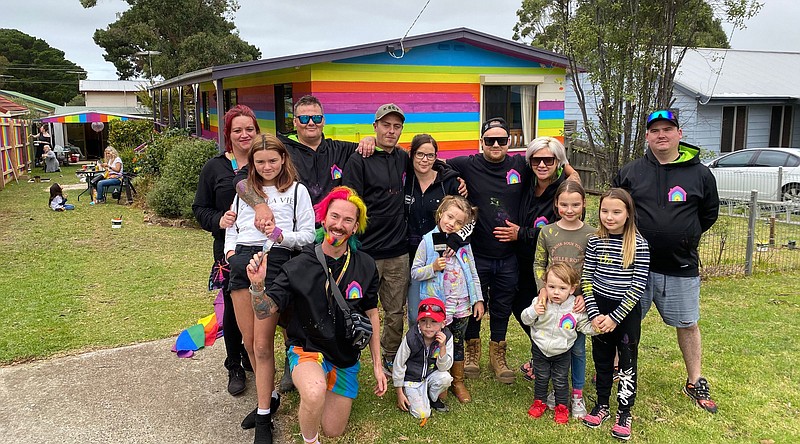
[675,204]
[421,207]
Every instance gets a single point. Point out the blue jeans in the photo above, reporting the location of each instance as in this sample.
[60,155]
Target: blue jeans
[579,362]
[101,193]
[498,284]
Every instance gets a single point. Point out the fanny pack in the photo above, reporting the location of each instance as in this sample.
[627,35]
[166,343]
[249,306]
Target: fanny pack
[358,327]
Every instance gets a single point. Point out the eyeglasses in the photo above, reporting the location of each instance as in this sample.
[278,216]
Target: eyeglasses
[490,141]
[429,156]
[316,118]
[548,161]
[662,114]
[430,307]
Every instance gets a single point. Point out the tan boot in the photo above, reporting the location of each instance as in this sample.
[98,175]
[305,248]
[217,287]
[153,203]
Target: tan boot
[497,361]
[472,358]
[458,388]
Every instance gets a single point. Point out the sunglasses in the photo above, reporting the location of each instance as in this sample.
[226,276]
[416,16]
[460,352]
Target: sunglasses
[662,114]
[429,156]
[316,118]
[490,141]
[430,307]
[548,161]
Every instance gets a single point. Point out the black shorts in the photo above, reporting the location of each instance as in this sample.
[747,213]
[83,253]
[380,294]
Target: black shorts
[238,263]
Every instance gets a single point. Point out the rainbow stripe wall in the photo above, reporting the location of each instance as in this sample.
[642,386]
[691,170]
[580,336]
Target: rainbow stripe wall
[438,86]
[13,149]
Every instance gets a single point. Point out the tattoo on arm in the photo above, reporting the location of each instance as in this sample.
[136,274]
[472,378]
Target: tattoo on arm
[248,194]
[263,306]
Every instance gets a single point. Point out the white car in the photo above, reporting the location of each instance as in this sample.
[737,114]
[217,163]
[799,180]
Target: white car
[758,169]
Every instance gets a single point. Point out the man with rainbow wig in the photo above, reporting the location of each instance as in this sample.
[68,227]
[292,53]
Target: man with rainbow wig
[323,362]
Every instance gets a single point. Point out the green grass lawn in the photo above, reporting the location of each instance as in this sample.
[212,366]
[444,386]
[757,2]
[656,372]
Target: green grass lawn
[71,283]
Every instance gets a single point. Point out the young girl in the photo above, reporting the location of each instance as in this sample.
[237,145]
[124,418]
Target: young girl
[554,328]
[565,241]
[272,175]
[614,276]
[57,200]
[453,279]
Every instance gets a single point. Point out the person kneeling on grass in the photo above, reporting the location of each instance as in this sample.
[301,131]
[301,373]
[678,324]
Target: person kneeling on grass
[421,366]
[323,361]
[554,329]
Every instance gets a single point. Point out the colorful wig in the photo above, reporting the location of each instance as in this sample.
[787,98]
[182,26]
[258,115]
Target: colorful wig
[342,193]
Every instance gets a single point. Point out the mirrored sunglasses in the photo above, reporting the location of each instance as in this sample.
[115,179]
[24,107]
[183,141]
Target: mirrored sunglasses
[316,118]
[661,114]
[490,141]
[430,307]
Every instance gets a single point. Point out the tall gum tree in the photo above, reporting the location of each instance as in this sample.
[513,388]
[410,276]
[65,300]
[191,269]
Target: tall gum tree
[630,51]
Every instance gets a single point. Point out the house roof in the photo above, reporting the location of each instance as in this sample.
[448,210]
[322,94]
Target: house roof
[11,109]
[112,85]
[40,105]
[479,39]
[736,74]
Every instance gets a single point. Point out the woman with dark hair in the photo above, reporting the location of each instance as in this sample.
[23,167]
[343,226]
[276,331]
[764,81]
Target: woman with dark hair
[428,183]
[211,207]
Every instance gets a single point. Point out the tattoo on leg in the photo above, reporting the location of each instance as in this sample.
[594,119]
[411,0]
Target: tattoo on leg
[263,306]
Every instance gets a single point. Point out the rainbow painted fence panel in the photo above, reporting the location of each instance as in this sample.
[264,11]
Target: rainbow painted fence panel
[13,149]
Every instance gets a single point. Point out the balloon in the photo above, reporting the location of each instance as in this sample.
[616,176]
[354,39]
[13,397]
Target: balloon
[98,126]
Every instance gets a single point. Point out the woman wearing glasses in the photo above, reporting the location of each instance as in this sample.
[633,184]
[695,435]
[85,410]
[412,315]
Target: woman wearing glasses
[429,182]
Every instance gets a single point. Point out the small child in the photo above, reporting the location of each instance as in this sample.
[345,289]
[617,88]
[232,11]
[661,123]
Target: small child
[57,200]
[420,370]
[451,278]
[554,329]
[615,273]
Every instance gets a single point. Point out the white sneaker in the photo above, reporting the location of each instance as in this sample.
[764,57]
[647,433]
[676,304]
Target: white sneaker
[551,400]
[578,407]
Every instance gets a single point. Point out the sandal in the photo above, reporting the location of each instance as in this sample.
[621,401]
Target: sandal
[527,371]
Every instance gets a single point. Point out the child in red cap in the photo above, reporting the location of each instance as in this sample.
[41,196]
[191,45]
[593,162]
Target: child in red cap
[421,366]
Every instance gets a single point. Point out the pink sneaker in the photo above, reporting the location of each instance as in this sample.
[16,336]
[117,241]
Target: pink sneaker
[597,416]
[622,426]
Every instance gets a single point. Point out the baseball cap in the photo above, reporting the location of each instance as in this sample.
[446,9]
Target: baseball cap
[431,308]
[662,114]
[494,122]
[387,109]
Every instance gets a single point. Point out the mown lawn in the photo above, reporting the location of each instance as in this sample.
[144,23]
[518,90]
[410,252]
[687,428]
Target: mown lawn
[71,283]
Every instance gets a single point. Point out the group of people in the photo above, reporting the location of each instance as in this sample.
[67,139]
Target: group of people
[316,231]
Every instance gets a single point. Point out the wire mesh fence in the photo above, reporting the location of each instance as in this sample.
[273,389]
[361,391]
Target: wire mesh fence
[752,235]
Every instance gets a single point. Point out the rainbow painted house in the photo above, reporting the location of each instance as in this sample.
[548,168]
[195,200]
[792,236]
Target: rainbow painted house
[446,83]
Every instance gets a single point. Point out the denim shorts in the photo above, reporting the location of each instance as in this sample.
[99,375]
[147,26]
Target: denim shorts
[677,299]
[342,381]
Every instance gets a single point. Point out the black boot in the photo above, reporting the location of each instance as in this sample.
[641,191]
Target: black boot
[286,385]
[236,378]
[263,429]
[246,365]
[249,421]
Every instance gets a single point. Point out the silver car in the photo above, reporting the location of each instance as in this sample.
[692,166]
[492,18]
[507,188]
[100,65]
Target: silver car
[773,172]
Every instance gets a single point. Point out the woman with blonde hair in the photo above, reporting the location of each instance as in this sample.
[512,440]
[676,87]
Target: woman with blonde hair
[113,166]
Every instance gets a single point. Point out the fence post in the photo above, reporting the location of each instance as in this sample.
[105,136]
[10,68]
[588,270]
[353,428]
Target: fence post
[751,233]
[779,193]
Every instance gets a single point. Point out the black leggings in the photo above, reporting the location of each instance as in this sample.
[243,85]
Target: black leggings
[623,341]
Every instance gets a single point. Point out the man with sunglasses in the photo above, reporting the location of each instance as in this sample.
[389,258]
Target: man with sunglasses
[379,180]
[496,183]
[676,201]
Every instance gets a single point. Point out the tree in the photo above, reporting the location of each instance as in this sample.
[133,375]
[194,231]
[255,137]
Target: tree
[37,69]
[189,34]
[630,51]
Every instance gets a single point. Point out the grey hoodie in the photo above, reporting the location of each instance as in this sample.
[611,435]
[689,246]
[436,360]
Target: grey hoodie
[555,331]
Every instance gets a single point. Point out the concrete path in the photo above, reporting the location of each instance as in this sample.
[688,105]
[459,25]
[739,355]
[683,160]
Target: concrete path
[136,394]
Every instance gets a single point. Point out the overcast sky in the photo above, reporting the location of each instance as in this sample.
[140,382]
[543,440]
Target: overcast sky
[325,24]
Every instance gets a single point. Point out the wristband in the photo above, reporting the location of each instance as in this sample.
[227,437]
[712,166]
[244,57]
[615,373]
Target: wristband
[255,292]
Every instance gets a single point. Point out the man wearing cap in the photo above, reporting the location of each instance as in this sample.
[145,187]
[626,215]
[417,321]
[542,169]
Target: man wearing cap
[379,180]
[676,201]
[495,183]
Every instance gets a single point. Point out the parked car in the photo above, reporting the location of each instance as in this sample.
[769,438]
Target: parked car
[758,169]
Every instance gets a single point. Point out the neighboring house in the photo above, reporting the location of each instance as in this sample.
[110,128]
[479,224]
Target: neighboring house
[729,99]
[446,83]
[11,109]
[116,93]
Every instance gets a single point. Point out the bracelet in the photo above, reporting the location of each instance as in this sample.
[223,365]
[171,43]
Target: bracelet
[255,292]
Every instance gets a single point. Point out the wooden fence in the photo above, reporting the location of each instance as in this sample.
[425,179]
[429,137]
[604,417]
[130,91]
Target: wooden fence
[13,149]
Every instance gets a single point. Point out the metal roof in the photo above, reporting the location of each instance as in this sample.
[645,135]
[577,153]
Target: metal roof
[479,39]
[113,85]
[737,74]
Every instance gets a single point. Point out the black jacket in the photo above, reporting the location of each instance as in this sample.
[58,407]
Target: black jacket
[214,197]
[675,204]
[421,207]
[379,180]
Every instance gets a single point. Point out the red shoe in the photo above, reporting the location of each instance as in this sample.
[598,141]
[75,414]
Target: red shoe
[537,409]
[562,414]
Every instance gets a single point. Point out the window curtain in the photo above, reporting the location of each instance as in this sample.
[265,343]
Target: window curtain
[527,98]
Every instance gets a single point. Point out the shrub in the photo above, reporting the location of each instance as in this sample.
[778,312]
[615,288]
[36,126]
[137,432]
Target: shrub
[173,193]
[126,135]
[154,156]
